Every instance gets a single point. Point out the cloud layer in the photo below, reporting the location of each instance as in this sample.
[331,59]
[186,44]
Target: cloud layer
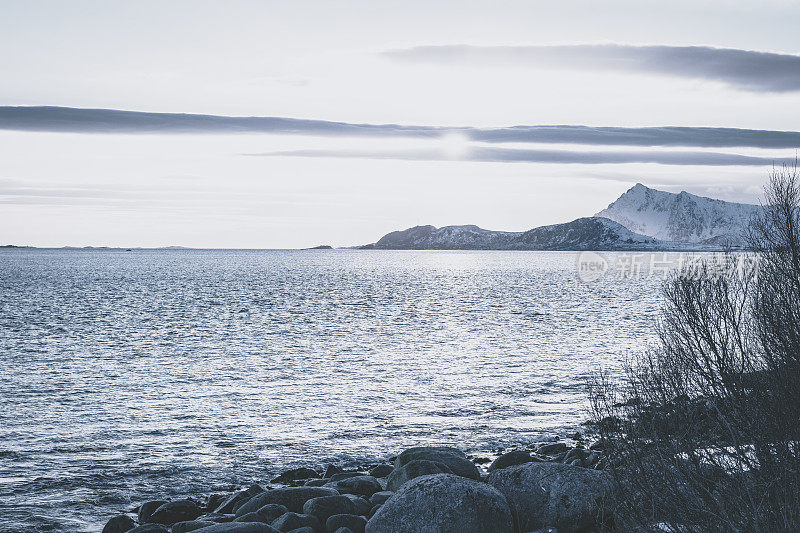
[743,69]
[75,120]
[514,155]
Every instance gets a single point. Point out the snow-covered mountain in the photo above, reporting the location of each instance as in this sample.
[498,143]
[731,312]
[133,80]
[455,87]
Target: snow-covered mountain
[681,217]
[590,233]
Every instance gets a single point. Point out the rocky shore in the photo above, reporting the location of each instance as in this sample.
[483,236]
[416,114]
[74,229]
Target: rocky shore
[554,487]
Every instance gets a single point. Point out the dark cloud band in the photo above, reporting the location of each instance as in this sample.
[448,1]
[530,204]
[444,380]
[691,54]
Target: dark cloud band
[513,155]
[743,69]
[74,120]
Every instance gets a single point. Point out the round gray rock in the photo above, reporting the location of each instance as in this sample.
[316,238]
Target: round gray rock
[292,498]
[240,527]
[119,524]
[191,525]
[517,457]
[443,503]
[414,469]
[327,506]
[570,498]
[177,511]
[452,457]
[290,521]
[352,522]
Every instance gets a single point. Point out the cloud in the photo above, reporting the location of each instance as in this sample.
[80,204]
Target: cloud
[742,69]
[514,155]
[75,120]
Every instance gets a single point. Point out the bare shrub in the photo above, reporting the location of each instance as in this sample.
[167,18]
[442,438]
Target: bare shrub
[703,433]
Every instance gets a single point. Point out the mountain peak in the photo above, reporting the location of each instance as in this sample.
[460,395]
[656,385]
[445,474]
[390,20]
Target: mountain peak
[681,217]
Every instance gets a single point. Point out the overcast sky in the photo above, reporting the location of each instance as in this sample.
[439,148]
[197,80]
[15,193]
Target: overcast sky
[458,75]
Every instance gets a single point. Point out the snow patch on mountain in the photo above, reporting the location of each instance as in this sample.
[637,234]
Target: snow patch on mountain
[589,233]
[682,217]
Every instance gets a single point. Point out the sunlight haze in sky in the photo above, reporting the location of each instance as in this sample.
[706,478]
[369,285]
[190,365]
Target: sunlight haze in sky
[730,64]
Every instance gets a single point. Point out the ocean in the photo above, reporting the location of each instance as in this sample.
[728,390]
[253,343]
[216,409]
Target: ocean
[135,375]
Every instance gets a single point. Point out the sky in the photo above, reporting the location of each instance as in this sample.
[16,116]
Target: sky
[410,114]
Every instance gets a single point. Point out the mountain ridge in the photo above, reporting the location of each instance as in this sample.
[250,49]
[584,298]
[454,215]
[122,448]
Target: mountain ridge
[681,217]
[641,219]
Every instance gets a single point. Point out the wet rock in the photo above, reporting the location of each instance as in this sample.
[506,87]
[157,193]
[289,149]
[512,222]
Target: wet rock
[360,485]
[380,497]
[414,469]
[177,511]
[192,525]
[292,498]
[317,482]
[373,511]
[215,500]
[253,517]
[290,521]
[517,457]
[303,530]
[344,530]
[481,460]
[360,505]
[345,475]
[552,448]
[454,458]
[296,474]
[240,527]
[271,511]
[443,503]
[554,494]
[332,470]
[217,517]
[381,470]
[353,522]
[327,506]
[236,500]
[146,510]
[149,528]
[119,524]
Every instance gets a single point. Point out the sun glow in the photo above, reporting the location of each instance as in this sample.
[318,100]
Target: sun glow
[454,145]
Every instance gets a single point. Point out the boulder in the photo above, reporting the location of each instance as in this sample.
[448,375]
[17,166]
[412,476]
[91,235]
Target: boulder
[327,506]
[517,457]
[443,503]
[253,517]
[414,469]
[149,528]
[360,505]
[352,522]
[317,482]
[292,498]
[345,475]
[381,470]
[344,530]
[569,498]
[303,530]
[215,500]
[229,504]
[332,470]
[271,511]
[119,524]
[192,525]
[177,511]
[217,517]
[239,527]
[296,474]
[359,485]
[452,457]
[290,521]
[552,448]
[380,497]
[146,510]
